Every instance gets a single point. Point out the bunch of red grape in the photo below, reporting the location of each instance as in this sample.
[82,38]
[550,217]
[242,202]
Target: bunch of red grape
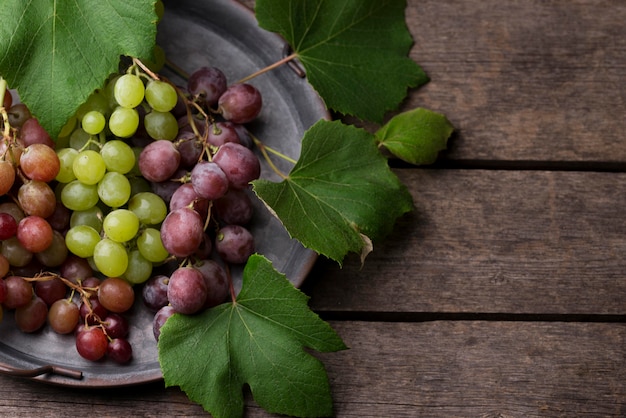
[146,186]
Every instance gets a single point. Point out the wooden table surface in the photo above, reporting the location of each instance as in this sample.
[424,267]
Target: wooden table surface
[504,293]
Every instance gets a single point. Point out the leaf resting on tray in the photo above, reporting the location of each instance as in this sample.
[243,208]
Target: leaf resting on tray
[355,52]
[340,195]
[258,340]
[56,53]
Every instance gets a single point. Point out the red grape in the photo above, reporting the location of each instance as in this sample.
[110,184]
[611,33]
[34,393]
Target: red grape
[91,343]
[8,226]
[116,295]
[63,316]
[208,84]
[32,316]
[187,290]
[159,160]
[40,162]
[234,243]
[240,103]
[18,292]
[7,177]
[120,350]
[182,232]
[34,233]
[239,164]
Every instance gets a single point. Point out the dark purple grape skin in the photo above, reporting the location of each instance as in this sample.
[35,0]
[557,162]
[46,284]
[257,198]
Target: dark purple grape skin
[50,290]
[186,196]
[182,232]
[234,243]
[159,160]
[207,84]
[209,180]
[235,207]
[216,280]
[116,325]
[154,292]
[220,133]
[187,291]
[32,316]
[239,164]
[8,226]
[240,103]
[33,133]
[190,149]
[159,319]
[119,350]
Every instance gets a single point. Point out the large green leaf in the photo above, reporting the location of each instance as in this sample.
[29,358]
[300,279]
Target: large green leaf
[56,52]
[354,51]
[257,340]
[341,194]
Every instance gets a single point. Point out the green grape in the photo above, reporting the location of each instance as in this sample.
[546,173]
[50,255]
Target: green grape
[79,196]
[79,138]
[114,189]
[93,122]
[97,101]
[81,240]
[66,159]
[110,258]
[124,122]
[139,269]
[89,167]
[121,225]
[129,91]
[161,125]
[161,96]
[139,185]
[149,208]
[118,156]
[91,217]
[150,245]
[68,128]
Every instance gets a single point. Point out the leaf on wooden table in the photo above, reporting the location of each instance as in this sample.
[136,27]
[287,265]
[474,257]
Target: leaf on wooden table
[55,53]
[257,340]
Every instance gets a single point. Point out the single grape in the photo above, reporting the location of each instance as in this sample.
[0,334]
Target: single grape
[119,350]
[91,217]
[150,245]
[216,281]
[91,343]
[116,326]
[118,156]
[120,225]
[222,132]
[93,122]
[139,268]
[154,292]
[40,162]
[187,196]
[75,269]
[93,311]
[81,240]
[60,218]
[182,232]
[50,290]
[37,198]
[8,226]
[161,125]
[97,102]
[34,233]
[32,316]
[116,295]
[15,253]
[159,161]
[63,316]
[161,96]
[209,180]
[4,270]
[160,318]
[79,196]
[190,149]
[7,177]
[55,254]
[18,292]
[235,207]
[124,122]
[205,249]
[89,167]
[79,140]
[207,84]
[149,208]
[33,133]
[187,291]
[234,243]
[240,103]
[239,164]
[110,258]
[114,189]
[90,285]
[129,91]
[18,114]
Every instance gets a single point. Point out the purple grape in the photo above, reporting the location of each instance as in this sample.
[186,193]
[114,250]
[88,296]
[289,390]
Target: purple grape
[208,84]
[239,164]
[154,292]
[240,103]
[186,196]
[159,161]
[234,243]
[182,232]
[222,132]
[159,319]
[119,350]
[235,207]
[116,326]
[216,281]
[187,290]
[33,133]
[208,180]
[190,149]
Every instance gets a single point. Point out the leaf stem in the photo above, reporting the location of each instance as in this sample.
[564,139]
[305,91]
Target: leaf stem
[269,68]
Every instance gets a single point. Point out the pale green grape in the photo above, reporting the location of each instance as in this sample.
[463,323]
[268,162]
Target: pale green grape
[149,208]
[89,167]
[139,185]
[66,170]
[161,125]
[139,269]
[91,217]
[150,245]
[124,122]
[93,122]
[114,189]
[79,196]
[81,240]
[96,101]
[118,156]
[129,91]
[110,258]
[121,225]
[161,96]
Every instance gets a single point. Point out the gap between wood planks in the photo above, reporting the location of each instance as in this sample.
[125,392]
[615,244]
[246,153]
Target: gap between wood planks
[520,165]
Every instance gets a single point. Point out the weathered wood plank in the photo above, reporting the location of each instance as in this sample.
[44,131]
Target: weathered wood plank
[492,241]
[435,369]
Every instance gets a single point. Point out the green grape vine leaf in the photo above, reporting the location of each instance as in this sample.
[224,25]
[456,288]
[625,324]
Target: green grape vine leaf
[355,53]
[257,340]
[341,195]
[55,53]
[416,136]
